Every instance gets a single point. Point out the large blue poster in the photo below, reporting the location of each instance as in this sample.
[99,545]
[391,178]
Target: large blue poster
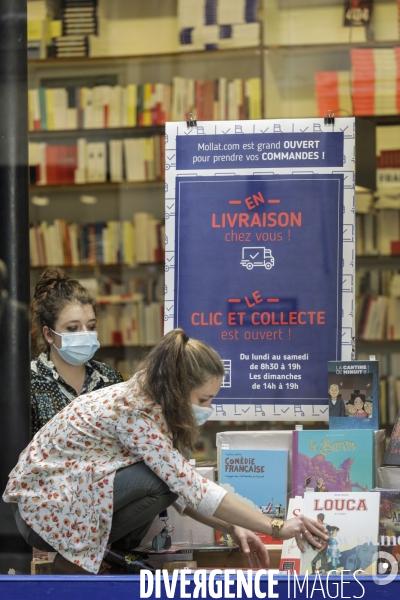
[259,263]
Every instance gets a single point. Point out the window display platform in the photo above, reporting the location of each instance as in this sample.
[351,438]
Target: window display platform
[18,587]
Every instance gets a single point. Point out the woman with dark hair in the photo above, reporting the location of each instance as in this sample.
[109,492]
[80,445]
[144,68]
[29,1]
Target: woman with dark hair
[64,325]
[358,402]
[106,465]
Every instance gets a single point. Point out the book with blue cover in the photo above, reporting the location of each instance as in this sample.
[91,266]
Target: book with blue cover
[258,478]
[332,461]
[353,394]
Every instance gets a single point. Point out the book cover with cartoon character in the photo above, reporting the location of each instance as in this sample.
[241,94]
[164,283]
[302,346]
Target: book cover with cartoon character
[258,478]
[392,456]
[389,528]
[353,394]
[332,461]
[352,522]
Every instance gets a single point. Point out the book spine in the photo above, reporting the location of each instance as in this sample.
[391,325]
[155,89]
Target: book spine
[295,465]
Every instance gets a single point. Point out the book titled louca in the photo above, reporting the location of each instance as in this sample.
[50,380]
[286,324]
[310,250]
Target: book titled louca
[332,461]
[352,522]
[258,478]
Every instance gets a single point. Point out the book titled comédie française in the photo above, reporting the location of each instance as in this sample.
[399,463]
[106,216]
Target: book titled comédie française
[258,478]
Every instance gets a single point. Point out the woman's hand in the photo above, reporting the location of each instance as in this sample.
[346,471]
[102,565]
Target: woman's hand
[252,546]
[303,528]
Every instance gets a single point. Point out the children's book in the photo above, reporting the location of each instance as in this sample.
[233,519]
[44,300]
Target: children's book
[332,461]
[353,394]
[352,521]
[392,456]
[389,528]
[258,478]
[291,554]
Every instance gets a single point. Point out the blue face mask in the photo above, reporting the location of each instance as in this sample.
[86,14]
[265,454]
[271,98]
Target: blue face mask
[202,413]
[78,347]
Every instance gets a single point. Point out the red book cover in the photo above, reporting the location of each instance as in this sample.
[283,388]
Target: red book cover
[61,160]
[68,245]
[50,165]
[72,163]
[327,92]
[209,100]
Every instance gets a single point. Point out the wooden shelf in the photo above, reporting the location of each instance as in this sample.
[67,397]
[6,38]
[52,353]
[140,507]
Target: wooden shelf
[375,346]
[121,352]
[91,61]
[313,48]
[98,131]
[106,186]
[205,54]
[114,267]
[378,262]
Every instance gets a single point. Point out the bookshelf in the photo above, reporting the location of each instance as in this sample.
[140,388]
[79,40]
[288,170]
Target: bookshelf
[138,43]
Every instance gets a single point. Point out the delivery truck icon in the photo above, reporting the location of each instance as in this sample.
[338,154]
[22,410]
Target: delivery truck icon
[257,256]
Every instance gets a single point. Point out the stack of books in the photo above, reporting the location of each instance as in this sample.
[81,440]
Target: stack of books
[375,84]
[79,20]
[363,80]
[333,92]
[218,24]
[385,85]
[79,17]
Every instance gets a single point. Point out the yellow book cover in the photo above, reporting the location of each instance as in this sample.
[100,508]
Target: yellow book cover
[35,29]
[31,126]
[147,98]
[131,89]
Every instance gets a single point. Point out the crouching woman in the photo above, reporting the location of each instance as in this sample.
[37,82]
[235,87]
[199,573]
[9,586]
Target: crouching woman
[104,467]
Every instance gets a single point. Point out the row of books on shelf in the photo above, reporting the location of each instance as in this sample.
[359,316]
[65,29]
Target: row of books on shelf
[129,159]
[120,289]
[377,317]
[378,232]
[372,87]
[377,282]
[130,321]
[113,242]
[103,106]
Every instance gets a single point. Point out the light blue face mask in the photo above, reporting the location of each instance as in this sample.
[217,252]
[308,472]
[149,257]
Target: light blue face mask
[77,347]
[202,413]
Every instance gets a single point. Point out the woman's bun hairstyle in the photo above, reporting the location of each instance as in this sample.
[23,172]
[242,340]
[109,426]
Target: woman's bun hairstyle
[53,292]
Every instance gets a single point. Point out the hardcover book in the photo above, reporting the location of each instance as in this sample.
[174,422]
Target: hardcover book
[332,461]
[291,553]
[389,528]
[392,456]
[258,478]
[352,521]
[353,394]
